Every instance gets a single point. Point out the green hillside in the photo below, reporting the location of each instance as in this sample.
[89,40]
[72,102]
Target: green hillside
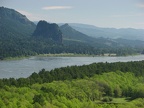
[104,89]
[72,34]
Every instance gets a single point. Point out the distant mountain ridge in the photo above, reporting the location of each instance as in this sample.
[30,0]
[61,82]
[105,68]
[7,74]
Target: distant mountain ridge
[99,42]
[113,33]
[71,34]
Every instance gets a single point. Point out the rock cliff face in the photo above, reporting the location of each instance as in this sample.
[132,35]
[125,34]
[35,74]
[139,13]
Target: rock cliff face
[48,31]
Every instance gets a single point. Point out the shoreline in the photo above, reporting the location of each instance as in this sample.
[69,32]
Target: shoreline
[66,55]
[15,58]
[83,55]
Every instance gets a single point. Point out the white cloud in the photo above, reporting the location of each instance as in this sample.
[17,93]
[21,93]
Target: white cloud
[56,7]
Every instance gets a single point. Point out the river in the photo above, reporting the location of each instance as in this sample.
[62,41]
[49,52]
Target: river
[25,67]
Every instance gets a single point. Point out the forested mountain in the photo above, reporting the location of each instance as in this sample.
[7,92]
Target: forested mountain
[113,33]
[111,42]
[21,37]
[104,45]
[13,24]
[72,34]
[131,43]
[15,31]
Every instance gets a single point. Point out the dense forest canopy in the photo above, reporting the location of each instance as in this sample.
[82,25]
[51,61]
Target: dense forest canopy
[75,72]
[106,85]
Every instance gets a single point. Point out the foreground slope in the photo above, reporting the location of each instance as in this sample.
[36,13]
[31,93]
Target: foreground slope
[104,89]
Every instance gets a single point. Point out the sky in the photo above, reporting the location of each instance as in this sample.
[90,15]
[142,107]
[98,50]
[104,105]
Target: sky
[101,13]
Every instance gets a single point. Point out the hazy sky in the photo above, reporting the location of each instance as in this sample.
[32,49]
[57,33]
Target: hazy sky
[101,13]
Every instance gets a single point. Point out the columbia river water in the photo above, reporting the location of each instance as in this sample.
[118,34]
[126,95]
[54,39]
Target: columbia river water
[25,67]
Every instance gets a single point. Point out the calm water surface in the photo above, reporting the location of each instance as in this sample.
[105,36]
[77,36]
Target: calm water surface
[25,67]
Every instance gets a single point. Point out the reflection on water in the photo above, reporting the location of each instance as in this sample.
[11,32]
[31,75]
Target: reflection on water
[24,68]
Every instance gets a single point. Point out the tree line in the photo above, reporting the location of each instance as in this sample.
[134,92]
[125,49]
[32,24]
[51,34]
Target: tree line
[106,90]
[14,45]
[75,72]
